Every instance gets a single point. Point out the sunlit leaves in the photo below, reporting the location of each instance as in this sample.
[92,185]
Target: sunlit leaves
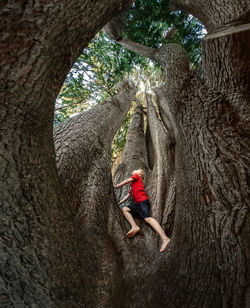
[148,21]
[104,63]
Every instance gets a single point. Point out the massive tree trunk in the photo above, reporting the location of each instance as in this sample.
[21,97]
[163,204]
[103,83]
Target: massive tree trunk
[154,153]
[39,42]
[83,150]
[207,262]
[161,181]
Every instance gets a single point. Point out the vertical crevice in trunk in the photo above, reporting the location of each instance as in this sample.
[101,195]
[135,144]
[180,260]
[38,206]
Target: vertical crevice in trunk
[132,256]
[39,43]
[83,149]
[134,156]
[207,261]
[161,183]
[140,256]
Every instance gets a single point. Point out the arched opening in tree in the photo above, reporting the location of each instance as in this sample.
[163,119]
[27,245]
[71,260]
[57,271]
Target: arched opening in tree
[63,238]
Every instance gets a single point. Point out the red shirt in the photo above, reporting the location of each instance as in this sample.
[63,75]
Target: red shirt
[137,189]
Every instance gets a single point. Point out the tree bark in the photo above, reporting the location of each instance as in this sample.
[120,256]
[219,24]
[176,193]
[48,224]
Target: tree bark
[83,150]
[215,15]
[140,255]
[39,42]
[207,262]
[161,182]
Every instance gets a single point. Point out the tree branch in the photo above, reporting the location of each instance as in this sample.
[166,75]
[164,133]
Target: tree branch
[98,84]
[164,110]
[142,50]
[172,57]
[213,15]
[170,34]
[66,106]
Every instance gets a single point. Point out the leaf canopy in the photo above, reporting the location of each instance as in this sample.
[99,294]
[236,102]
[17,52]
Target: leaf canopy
[104,63]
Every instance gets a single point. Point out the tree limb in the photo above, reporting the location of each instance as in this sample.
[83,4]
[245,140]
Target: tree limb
[164,110]
[170,34]
[98,84]
[66,106]
[142,50]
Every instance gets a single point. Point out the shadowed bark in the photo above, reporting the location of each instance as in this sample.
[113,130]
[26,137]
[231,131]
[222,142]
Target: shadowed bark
[83,150]
[161,182]
[140,255]
[215,15]
[207,263]
[39,42]
[42,249]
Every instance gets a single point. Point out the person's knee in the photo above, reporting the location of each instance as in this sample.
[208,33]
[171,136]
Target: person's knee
[148,219]
[125,209]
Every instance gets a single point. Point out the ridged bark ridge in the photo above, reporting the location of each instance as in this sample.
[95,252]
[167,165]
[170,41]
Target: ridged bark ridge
[83,152]
[40,41]
[207,263]
[140,256]
[215,15]
[161,182]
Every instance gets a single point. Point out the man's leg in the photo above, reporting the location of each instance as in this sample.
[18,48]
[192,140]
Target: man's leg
[130,219]
[155,225]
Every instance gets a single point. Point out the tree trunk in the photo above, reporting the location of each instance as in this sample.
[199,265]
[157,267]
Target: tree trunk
[161,182]
[207,262]
[139,255]
[83,150]
[40,41]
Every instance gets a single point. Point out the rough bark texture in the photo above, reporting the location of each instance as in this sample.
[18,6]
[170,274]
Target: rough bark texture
[42,245]
[161,182]
[207,262]
[39,42]
[215,15]
[140,255]
[83,150]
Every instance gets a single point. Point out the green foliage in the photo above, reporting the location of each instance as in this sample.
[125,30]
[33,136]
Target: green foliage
[104,63]
[92,78]
[148,21]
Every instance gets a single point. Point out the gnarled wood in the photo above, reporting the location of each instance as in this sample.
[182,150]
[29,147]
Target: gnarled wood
[207,264]
[39,42]
[211,14]
[83,151]
[140,256]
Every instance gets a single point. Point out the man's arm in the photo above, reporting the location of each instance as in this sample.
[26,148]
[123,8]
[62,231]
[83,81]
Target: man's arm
[125,199]
[123,183]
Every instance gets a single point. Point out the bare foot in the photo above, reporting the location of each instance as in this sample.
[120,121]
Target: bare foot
[133,232]
[164,244]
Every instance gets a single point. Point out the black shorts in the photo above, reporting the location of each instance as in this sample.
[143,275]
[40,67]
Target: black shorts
[140,210]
